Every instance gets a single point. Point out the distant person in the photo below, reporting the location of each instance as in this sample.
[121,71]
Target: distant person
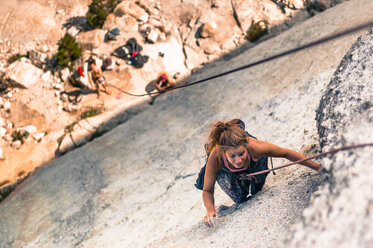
[232,154]
[163,82]
[97,77]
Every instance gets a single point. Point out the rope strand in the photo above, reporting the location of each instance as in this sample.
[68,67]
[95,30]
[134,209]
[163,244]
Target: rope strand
[265,60]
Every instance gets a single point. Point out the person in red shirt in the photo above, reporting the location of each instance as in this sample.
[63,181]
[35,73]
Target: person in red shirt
[163,82]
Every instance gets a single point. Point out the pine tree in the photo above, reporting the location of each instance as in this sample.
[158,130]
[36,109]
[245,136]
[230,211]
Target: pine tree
[99,10]
[68,51]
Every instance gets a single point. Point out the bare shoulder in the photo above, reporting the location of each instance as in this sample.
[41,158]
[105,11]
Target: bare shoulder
[213,161]
[258,148]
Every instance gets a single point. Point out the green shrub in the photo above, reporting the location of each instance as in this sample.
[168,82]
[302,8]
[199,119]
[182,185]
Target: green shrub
[99,10]
[70,128]
[18,135]
[257,30]
[68,51]
[91,112]
[21,173]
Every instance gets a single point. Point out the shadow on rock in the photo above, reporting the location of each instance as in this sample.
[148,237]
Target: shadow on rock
[79,22]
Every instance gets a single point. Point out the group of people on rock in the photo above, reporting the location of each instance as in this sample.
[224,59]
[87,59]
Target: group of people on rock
[131,52]
[97,80]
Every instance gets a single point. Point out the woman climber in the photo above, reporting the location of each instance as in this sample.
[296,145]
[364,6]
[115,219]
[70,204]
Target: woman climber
[232,155]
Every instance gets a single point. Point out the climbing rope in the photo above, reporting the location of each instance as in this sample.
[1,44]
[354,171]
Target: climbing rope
[279,55]
[312,157]
[300,48]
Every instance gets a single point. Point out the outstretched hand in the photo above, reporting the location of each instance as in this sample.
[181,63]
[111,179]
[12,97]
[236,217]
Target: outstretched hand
[209,218]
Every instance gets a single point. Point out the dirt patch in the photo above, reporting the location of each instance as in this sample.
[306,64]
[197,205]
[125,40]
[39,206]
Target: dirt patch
[23,116]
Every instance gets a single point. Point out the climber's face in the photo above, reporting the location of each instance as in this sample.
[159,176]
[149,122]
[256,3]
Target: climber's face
[237,156]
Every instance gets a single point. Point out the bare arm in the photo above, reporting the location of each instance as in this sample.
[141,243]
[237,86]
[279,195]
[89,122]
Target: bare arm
[211,173]
[170,80]
[260,148]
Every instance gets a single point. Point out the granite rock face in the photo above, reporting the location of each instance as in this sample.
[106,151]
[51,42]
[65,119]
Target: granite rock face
[342,211]
[133,186]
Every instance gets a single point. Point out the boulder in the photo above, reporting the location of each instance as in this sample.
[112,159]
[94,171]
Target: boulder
[156,22]
[162,37]
[35,106]
[6,106]
[29,129]
[38,136]
[324,4]
[192,57]
[245,12]
[209,47]
[8,137]
[9,126]
[145,29]
[152,36]
[208,29]
[17,144]
[82,81]
[110,22]
[44,48]
[2,122]
[2,131]
[127,7]
[318,5]
[91,39]
[37,58]
[22,74]
[57,86]
[70,107]
[47,76]
[73,31]
[126,24]
[2,67]
[64,74]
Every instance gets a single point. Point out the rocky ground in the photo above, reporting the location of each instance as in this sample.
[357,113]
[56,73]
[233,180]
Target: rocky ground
[133,186]
[33,99]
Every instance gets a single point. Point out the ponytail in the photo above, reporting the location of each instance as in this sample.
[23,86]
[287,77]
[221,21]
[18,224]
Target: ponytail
[226,134]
